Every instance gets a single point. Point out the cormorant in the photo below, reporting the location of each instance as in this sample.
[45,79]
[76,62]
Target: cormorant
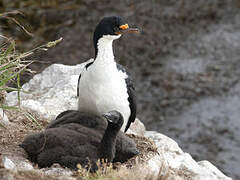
[104,85]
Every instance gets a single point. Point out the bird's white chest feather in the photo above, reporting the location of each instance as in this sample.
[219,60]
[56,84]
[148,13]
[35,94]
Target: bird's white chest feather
[102,87]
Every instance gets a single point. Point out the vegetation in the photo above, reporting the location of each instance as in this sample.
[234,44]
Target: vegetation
[13,63]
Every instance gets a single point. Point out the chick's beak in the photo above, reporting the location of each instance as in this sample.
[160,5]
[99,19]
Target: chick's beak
[125,29]
[107,116]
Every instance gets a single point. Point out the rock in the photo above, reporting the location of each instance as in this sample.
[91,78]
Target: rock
[15,162]
[137,128]
[211,169]
[21,163]
[164,143]
[24,166]
[3,118]
[55,90]
[51,92]
[179,164]
[153,167]
[7,163]
[58,171]
[11,166]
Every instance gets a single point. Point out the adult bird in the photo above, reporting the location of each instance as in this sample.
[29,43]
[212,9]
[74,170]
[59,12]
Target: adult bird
[104,85]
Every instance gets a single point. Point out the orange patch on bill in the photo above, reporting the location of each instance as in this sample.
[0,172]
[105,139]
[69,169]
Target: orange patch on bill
[125,26]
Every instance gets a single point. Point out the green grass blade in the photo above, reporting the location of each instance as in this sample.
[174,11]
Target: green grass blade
[9,50]
[19,86]
[13,75]
[6,107]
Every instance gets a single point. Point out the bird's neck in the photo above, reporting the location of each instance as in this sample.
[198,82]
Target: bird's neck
[104,52]
[108,143]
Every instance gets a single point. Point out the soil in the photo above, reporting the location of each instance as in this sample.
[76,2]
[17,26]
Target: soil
[13,134]
[185,63]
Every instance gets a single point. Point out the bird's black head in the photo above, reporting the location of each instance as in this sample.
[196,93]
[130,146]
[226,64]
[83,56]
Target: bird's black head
[111,27]
[114,118]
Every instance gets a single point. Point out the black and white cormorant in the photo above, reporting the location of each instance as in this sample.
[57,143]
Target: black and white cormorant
[104,85]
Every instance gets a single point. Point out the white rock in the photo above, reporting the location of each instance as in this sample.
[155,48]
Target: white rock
[7,163]
[16,162]
[136,128]
[3,118]
[55,90]
[180,164]
[58,172]
[164,143]
[22,165]
[154,165]
[216,173]
[51,92]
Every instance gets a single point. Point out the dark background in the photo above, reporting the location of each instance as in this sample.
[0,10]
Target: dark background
[185,63]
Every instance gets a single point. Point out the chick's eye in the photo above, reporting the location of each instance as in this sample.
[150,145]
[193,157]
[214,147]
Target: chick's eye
[116,29]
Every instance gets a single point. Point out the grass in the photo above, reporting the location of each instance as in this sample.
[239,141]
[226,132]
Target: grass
[107,171]
[11,66]
[13,63]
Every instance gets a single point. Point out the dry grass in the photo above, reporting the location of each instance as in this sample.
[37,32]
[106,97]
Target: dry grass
[132,169]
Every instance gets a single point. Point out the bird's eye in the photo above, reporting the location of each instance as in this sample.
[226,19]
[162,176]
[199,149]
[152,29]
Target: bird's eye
[116,29]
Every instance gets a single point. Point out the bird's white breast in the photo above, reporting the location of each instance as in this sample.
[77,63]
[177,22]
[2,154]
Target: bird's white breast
[103,91]
[102,88]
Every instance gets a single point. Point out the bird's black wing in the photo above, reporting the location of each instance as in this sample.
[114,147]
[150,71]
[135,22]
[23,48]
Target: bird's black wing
[78,84]
[74,116]
[131,97]
[86,66]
